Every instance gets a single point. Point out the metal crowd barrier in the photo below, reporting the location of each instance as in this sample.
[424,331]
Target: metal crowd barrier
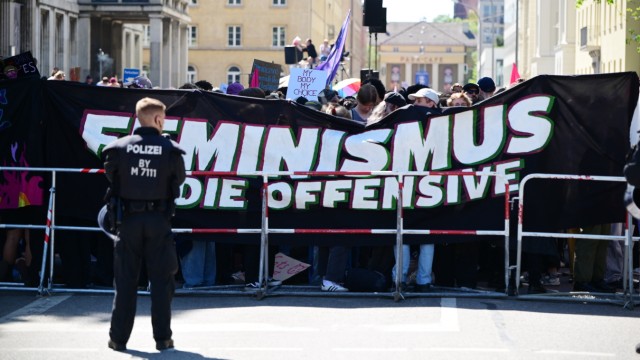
[399,231]
[628,299]
[50,227]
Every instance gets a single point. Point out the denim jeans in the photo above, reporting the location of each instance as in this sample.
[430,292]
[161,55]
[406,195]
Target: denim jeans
[425,263]
[199,264]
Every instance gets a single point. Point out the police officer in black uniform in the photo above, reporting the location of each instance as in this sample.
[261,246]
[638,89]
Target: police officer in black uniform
[145,170]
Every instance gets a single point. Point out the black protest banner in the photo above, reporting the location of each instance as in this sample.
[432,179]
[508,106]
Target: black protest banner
[268,74]
[549,124]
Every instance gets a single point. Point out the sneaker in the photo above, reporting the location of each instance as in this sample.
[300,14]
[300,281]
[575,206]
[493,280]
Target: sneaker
[164,345]
[550,280]
[332,287]
[252,286]
[238,277]
[256,285]
[116,346]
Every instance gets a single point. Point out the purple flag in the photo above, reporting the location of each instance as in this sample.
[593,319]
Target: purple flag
[332,63]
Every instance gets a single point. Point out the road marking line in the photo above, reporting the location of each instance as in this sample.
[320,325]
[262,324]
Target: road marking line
[574,353]
[69,349]
[448,321]
[458,349]
[36,307]
[214,349]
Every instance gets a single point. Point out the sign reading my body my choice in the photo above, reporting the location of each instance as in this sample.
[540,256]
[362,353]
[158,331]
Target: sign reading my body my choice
[306,83]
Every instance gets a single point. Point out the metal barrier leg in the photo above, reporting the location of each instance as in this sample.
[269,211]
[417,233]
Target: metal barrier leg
[628,265]
[47,235]
[264,243]
[397,294]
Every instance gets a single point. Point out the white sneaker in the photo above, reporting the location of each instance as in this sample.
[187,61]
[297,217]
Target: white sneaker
[273,282]
[332,287]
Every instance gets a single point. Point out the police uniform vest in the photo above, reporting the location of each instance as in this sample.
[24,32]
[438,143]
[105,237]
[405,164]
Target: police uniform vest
[144,165]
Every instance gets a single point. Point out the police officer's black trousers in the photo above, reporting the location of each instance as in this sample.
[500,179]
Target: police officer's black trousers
[144,235]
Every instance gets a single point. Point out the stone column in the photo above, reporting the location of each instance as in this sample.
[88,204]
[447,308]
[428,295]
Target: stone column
[184,53]
[116,48]
[460,78]
[66,45]
[84,46]
[5,28]
[28,23]
[176,47]
[155,49]
[167,55]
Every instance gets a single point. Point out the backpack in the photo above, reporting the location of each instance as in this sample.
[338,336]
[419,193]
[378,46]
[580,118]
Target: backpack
[632,167]
[363,280]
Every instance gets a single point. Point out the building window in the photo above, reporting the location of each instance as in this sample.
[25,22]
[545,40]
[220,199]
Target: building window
[233,75]
[193,35]
[278,36]
[192,74]
[234,36]
[234,2]
[279,2]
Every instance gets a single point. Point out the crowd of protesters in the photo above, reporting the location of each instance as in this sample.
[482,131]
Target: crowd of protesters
[594,266]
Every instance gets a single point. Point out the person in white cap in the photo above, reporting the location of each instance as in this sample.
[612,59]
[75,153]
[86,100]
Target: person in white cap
[425,97]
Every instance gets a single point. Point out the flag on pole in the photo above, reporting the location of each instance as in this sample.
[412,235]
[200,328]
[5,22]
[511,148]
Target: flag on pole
[515,75]
[332,63]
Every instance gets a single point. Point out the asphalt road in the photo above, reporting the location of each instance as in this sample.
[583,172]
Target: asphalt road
[75,326]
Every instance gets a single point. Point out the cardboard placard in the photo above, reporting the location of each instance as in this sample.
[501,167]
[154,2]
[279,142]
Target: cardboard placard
[285,267]
[307,83]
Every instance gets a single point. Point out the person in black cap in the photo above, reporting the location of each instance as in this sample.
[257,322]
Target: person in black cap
[145,171]
[472,90]
[392,101]
[487,87]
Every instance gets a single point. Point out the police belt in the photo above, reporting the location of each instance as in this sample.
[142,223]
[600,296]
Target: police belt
[139,206]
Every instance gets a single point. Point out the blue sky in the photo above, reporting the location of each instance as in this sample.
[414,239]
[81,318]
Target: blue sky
[416,10]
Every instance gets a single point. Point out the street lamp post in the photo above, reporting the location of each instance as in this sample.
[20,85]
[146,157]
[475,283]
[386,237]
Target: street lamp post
[102,57]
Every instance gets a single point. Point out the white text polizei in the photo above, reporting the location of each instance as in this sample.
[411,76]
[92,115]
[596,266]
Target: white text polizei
[145,149]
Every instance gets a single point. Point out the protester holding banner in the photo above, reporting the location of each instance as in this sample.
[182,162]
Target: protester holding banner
[145,171]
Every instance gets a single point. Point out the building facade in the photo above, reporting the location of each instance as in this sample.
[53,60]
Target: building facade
[590,39]
[97,37]
[434,54]
[222,51]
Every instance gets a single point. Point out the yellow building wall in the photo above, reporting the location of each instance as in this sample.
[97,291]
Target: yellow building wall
[608,29]
[315,19]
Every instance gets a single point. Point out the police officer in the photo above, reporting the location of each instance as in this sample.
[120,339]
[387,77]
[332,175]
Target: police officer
[145,171]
